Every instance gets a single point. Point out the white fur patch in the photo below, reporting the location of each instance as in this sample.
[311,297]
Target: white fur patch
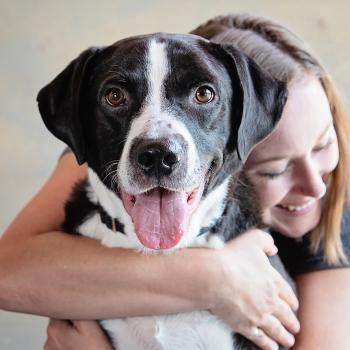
[114,207]
[157,70]
[185,331]
[208,211]
[155,121]
[199,330]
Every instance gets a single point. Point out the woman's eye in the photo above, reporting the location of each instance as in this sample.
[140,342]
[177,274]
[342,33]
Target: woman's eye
[115,97]
[204,94]
[324,146]
[273,174]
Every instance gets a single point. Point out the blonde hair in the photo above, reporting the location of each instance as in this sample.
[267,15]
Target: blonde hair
[287,58]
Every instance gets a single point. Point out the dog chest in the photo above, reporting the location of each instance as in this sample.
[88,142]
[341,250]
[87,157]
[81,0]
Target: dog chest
[195,330]
[190,331]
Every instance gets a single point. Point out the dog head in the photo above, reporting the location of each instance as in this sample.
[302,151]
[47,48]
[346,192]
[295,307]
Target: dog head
[162,120]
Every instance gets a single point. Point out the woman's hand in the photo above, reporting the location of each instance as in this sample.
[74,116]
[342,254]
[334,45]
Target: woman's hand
[251,296]
[76,335]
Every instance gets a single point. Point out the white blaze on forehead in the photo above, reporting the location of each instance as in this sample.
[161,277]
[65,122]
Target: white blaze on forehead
[157,69]
[156,119]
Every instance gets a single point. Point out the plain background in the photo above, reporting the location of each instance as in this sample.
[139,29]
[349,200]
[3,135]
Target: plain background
[39,37]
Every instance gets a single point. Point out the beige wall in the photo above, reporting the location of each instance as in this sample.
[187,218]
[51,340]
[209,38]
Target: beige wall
[39,37]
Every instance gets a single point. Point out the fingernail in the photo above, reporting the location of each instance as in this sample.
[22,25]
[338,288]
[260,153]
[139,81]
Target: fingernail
[273,251]
[291,340]
[296,328]
[275,346]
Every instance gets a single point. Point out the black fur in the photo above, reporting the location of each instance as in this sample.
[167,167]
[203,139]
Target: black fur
[249,105]
[78,208]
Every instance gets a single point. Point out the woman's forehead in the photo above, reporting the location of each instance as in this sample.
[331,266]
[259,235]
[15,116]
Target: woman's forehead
[305,119]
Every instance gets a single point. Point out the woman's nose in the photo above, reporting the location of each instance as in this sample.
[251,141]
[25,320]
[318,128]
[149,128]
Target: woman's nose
[310,181]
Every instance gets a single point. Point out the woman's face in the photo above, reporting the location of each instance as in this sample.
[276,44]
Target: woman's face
[289,169]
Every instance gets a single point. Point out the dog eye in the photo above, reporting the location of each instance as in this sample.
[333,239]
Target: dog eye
[115,97]
[204,94]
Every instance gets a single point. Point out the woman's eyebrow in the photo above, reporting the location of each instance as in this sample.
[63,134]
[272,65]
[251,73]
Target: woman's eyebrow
[268,160]
[326,130]
[280,158]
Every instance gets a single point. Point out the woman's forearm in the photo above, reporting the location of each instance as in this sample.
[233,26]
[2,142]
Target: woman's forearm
[74,277]
[64,276]
[47,272]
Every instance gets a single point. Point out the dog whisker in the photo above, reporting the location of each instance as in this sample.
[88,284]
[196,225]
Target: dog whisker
[110,174]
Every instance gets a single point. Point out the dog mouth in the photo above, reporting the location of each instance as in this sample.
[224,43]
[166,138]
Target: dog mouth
[161,216]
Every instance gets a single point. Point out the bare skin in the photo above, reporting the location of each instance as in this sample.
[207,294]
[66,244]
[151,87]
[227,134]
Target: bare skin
[44,271]
[324,316]
[294,174]
[324,310]
[66,335]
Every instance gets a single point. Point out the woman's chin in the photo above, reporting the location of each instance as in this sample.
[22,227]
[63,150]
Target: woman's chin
[291,232]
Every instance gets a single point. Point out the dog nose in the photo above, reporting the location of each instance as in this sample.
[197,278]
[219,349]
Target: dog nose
[157,160]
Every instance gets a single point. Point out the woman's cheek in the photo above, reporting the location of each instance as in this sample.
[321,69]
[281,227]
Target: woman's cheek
[271,192]
[332,158]
[328,159]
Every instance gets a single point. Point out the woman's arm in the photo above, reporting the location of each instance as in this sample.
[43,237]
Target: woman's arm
[324,310]
[44,271]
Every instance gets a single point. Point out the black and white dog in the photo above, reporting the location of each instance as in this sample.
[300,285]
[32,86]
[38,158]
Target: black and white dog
[163,122]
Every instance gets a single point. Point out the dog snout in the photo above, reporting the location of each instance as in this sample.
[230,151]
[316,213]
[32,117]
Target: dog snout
[157,157]
[156,161]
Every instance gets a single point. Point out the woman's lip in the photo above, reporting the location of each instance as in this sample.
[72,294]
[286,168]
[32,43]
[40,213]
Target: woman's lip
[297,210]
[297,207]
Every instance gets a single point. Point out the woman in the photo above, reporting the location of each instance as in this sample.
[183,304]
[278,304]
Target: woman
[286,198]
[301,173]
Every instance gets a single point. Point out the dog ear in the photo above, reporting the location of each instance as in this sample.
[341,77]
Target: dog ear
[261,97]
[59,103]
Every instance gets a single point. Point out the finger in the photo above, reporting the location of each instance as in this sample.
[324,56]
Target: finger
[51,344]
[53,322]
[287,317]
[78,325]
[275,330]
[56,326]
[86,326]
[286,293]
[260,338]
[47,345]
[267,243]
[50,327]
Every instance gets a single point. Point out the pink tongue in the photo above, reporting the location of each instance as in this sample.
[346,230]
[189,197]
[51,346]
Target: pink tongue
[160,218]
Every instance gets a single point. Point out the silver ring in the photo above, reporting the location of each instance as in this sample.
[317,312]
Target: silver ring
[256,332]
